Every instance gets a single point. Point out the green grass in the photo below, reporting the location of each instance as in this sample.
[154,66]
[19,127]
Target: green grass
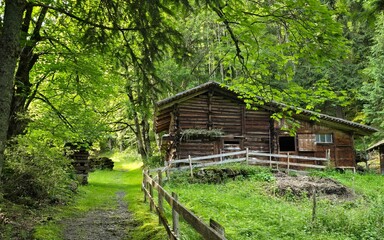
[249,209]
[100,193]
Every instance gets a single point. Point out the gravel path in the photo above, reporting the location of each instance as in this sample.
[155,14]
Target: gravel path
[112,224]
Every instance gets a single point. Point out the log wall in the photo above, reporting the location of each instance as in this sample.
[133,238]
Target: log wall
[257,130]
[226,115]
[245,128]
[193,113]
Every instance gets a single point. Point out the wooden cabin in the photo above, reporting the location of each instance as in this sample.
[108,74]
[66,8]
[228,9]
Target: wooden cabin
[211,119]
[379,146]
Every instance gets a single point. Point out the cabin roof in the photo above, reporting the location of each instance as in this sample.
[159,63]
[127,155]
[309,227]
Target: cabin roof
[376,145]
[334,122]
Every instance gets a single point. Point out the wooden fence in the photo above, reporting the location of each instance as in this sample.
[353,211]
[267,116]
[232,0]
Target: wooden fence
[250,157]
[212,231]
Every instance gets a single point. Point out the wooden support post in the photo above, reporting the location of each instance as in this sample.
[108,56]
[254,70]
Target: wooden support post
[247,155]
[221,157]
[190,165]
[328,157]
[217,227]
[314,204]
[160,196]
[151,207]
[175,217]
[144,186]
[160,177]
[288,162]
[277,165]
[166,165]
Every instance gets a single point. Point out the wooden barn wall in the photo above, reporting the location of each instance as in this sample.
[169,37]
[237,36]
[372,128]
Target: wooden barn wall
[342,148]
[257,126]
[163,120]
[226,115]
[253,128]
[196,148]
[193,113]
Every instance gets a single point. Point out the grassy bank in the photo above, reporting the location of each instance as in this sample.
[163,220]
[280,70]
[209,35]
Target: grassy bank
[100,193]
[249,208]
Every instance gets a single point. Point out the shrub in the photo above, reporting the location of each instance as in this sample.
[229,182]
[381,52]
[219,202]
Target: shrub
[35,173]
[153,161]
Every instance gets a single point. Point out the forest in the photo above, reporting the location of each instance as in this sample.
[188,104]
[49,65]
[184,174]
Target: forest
[90,72]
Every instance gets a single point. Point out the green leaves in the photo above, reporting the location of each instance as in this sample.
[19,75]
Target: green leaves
[373,89]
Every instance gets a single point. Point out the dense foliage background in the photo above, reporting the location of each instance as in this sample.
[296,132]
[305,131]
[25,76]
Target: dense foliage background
[91,71]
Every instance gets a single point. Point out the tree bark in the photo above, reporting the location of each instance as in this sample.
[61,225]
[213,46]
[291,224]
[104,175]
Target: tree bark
[22,90]
[9,53]
[146,138]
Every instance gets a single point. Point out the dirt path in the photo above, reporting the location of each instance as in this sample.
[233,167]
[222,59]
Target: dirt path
[114,224]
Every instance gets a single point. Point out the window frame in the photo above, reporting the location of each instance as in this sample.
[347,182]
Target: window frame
[324,138]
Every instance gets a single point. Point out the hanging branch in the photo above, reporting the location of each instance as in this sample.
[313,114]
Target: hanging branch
[85,21]
[58,113]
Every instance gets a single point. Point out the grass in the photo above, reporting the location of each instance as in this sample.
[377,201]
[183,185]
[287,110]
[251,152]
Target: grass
[100,193]
[249,209]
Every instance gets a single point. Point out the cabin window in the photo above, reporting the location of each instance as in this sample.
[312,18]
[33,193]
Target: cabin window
[324,138]
[287,144]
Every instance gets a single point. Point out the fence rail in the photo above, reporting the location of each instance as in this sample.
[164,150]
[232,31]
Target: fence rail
[251,157]
[212,231]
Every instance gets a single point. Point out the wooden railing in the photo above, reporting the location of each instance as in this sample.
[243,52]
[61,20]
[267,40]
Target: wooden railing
[250,157]
[212,231]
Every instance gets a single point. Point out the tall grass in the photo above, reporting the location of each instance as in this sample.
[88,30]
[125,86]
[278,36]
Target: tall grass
[249,209]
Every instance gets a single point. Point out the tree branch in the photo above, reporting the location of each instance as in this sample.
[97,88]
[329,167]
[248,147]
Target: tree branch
[85,21]
[58,113]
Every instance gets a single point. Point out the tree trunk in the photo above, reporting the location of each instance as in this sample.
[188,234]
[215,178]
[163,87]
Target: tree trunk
[146,138]
[139,136]
[9,53]
[22,91]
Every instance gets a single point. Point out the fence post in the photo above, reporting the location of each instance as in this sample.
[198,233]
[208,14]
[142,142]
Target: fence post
[221,157]
[151,193]
[328,156]
[175,216]
[144,185]
[314,204]
[166,165]
[247,155]
[159,193]
[217,227]
[288,162]
[190,165]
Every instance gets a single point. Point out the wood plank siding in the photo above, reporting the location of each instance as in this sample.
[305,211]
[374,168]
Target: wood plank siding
[257,130]
[211,107]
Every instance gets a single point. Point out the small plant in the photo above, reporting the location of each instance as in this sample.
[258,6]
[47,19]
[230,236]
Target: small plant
[264,176]
[194,133]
